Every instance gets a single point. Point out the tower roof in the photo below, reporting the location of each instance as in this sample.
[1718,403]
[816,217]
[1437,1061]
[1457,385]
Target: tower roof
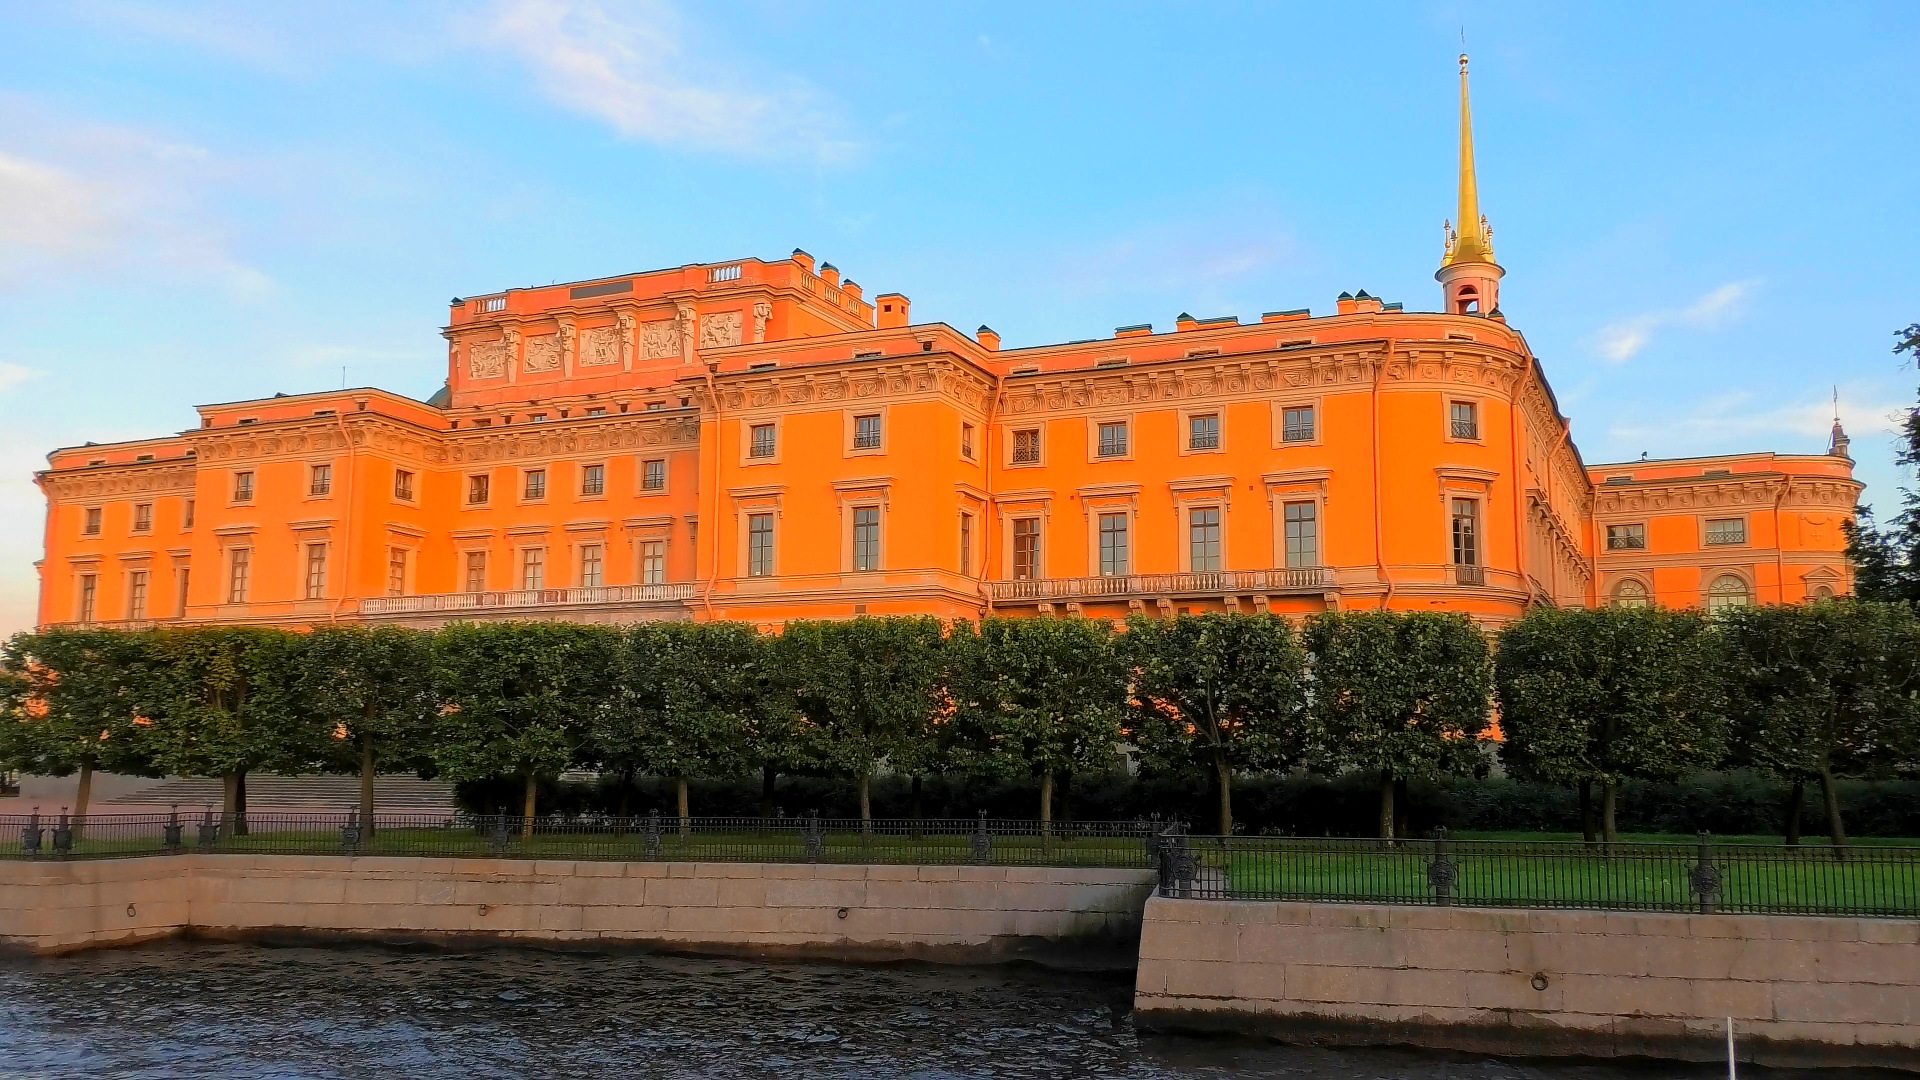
[1471,241]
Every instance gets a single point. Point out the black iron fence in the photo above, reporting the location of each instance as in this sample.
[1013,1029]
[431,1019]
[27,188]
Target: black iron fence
[982,841]
[1704,876]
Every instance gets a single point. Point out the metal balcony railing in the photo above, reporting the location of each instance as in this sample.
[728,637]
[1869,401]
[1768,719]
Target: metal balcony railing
[1215,583]
[531,598]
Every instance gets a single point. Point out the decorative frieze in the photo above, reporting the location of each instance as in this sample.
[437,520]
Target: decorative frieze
[720,330]
[542,353]
[486,359]
[659,339]
[485,446]
[774,390]
[107,483]
[1689,495]
[600,346]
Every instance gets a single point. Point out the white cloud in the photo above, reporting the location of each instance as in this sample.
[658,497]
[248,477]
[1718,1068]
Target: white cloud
[83,198]
[1619,342]
[627,65]
[1864,411]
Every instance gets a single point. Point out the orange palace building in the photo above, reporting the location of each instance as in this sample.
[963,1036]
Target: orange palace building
[761,441]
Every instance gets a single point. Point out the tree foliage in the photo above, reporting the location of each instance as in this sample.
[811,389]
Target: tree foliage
[1400,694]
[79,699]
[1223,692]
[1601,696]
[1886,558]
[373,692]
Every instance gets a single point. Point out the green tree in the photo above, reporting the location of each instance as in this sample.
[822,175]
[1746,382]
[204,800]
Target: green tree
[374,693]
[1886,559]
[521,699]
[1824,691]
[226,704]
[1220,691]
[1600,696]
[1403,695]
[866,690]
[80,697]
[1038,697]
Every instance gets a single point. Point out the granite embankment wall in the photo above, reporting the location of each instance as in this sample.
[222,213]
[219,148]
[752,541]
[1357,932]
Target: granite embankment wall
[964,914]
[1801,991]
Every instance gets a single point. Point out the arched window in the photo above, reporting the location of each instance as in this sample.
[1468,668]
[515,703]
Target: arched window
[1467,300]
[1630,593]
[1727,591]
[1821,592]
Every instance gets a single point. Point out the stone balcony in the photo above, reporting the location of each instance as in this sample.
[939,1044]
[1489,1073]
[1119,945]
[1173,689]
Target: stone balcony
[612,600]
[1147,588]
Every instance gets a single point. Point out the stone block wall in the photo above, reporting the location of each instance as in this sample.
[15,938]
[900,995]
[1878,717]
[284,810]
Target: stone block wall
[948,913]
[1801,991]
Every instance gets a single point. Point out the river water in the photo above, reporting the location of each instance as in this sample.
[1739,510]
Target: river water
[245,1011]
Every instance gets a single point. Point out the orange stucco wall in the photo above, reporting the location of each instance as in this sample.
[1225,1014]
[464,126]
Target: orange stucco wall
[680,365]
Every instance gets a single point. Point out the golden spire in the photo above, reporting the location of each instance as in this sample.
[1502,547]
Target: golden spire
[1471,242]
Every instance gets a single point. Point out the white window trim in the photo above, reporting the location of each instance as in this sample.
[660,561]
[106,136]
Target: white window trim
[849,425]
[1279,409]
[1093,437]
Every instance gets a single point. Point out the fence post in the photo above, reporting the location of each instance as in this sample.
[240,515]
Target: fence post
[653,834]
[1442,872]
[1183,867]
[1704,878]
[350,833]
[209,831]
[497,834]
[30,836]
[63,836]
[816,843]
[171,836]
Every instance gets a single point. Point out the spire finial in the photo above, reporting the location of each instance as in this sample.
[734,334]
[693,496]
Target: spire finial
[1837,442]
[1471,243]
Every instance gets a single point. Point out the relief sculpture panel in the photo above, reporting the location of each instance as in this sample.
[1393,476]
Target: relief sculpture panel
[543,353]
[720,331]
[600,346]
[486,359]
[658,339]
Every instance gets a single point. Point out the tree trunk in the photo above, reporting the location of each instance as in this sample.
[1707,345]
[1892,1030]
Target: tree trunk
[1046,812]
[680,802]
[1586,810]
[1795,795]
[767,775]
[229,791]
[1609,801]
[916,806]
[1386,804]
[527,809]
[866,803]
[366,786]
[82,797]
[1836,829]
[1223,772]
[1402,807]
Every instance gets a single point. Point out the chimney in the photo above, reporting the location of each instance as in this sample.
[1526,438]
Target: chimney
[1344,304]
[830,274]
[851,288]
[987,338]
[1185,321]
[805,260]
[1136,330]
[1364,304]
[890,309]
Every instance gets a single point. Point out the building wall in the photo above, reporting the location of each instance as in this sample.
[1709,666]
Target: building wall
[1800,991]
[680,366]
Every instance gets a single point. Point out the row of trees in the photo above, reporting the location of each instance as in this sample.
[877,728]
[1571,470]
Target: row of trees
[1587,699]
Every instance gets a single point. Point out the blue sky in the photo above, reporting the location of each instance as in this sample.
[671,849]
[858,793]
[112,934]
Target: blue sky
[1706,212]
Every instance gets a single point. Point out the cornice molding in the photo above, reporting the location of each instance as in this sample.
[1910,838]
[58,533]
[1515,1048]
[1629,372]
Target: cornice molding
[778,391]
[107,482]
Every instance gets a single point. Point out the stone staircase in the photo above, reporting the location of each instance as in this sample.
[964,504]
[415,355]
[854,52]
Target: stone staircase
[391,794]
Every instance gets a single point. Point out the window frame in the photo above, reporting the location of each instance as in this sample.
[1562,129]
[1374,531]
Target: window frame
[86,596]
[1187,419]
[527,475]
[1713,577]
[482,483]
[1115,559]
[966,540]
[1706,532]
[1466,572]
[239,574]
[747,429]
[852,422]
[137,594]
[93,521]
[1627,525]
[313,571]
[646,476]
[1039,433]
[320,480]
[473,564]
[969,438]
[752,551]
[1287,534]
[1188,511]
[406,488]
[647,564]
[241,490]
[399,570]
[142,518]
[590,561]
[1096,426]
[874,555]
[533,568]
[1036,562]
[1315,404]
[592,485]
[1615,597]
[1479,419]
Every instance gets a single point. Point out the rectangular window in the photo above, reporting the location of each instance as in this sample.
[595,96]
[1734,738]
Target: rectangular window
[1203,540]
[186,514]
[866,538]
[759,545]
[1203,432]
[1026,447]
[243,487]
[396,571]
[403,485]
[479,489]
[592,566]
[91,525]
[320,480]
[1466,542]
[1297,424]
[239,571]
[1302,524]
[653,562]
[137,594]
[866,432]
[476,571]
[1113,439]
[653,476]
[966,545]
[316,571]
[1026,549]
[1727,531]
[1113,545]
[1465,419]
[536,485]
[593,480]
[533,568]
[89,594]
[761,441]
[1626,537]
[142,517]
[597,410]
[180,606]
[966,441]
